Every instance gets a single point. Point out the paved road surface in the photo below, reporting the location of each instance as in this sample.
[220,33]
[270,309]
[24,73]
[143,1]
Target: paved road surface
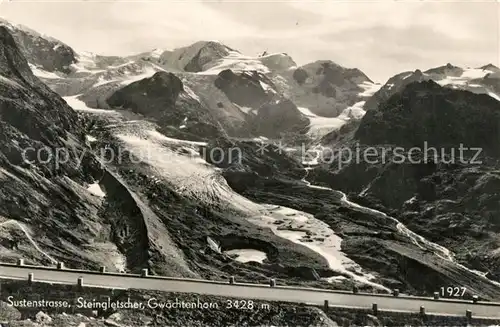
[256,292]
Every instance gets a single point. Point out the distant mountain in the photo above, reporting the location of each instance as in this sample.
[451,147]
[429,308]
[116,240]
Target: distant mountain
[42,51]
[477,80]
[441,116]
[323,93]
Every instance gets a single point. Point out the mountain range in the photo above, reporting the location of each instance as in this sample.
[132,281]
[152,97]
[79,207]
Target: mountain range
[148,177]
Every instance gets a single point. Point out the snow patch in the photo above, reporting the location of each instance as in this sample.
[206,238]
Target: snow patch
[355,111]
[103,81]
[307,112]
[237,62]
[191,93]
[412,200]
[296,225]
[79,105]
[266,87]
[160,137]
[148,72]
[246,110]
[156,53]
[247,255]
[122,65]
[369,88]
[320,126]
[184,122]
[494,96]
[464,79]
[474,73]
[90,138]
[38,72]
[6,80]
[96,190]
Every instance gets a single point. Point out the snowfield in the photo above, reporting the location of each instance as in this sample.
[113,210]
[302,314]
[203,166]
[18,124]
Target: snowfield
[465,81]
[369,89]
[320,126]
[237,62]
[79,105]
[39,72]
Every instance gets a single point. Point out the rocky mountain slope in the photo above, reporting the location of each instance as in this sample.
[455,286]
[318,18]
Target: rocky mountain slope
[217,76]
[443,193]
[44,52]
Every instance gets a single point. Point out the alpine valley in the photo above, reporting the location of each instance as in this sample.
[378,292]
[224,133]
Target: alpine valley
[204,162]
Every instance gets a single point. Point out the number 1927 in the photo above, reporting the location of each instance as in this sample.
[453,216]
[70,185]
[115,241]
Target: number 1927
[453,291]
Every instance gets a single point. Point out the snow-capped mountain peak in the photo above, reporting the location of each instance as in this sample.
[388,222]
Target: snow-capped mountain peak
[481,80]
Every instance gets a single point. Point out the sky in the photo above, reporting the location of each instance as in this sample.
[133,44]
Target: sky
[382,38]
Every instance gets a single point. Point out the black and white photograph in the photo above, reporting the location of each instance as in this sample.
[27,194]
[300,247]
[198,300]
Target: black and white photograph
[249,163]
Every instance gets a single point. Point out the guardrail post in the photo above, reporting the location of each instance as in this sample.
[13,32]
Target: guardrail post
[31,278]
[436,295]
[422,310]
[375,309]
[60,265]
[326,306]
[468,315]
[20,262]
[355,289]
[272,282]
[79,283]
[231,280]
[144,272]
[102,269]
[475,298]
[395,292]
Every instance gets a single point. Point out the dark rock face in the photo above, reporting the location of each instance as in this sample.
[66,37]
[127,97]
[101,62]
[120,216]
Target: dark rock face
[300,75]
[273,119]
[272,114]
[163,87]
[427,112]
[336,76]
[394,84]
[244,89]
[159,97]
[50,54]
